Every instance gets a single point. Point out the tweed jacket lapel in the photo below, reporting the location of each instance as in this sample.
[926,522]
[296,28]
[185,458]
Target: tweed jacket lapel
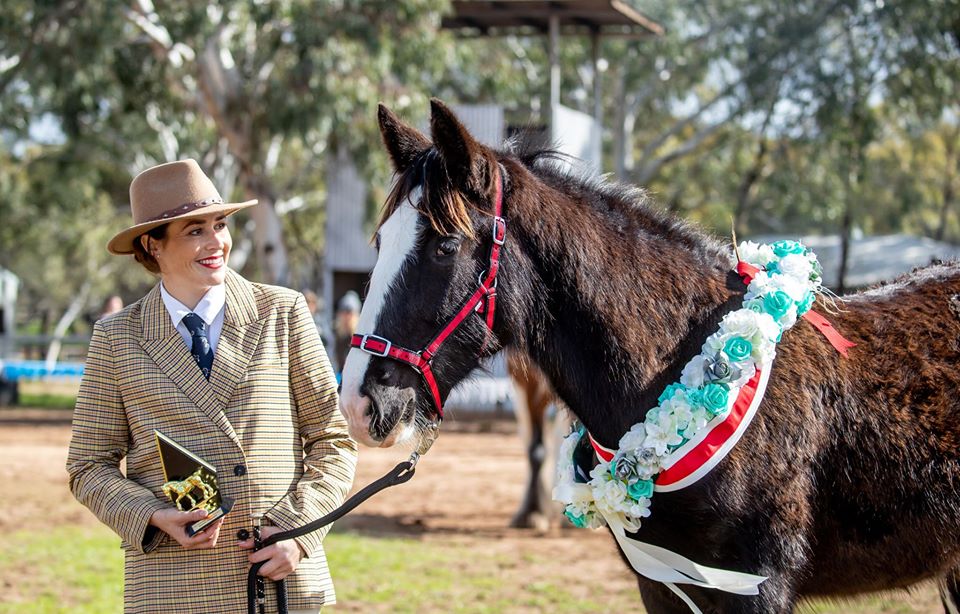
[238,339]
[165,346]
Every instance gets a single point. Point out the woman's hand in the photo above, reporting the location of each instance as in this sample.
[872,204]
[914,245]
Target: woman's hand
[282,557]
[174,523]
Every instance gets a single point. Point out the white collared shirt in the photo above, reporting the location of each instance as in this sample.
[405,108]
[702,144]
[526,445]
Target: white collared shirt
[210,309]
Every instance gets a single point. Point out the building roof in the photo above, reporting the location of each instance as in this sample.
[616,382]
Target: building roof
[493,17]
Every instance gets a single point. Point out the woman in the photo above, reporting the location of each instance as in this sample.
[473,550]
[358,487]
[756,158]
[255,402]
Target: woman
[233,371]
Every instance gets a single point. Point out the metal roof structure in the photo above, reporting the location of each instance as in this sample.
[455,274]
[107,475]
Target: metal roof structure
[608,17]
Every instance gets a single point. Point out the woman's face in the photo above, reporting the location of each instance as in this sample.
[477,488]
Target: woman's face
[194,252]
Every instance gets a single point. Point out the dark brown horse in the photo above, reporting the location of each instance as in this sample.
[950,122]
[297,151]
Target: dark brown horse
[848,478]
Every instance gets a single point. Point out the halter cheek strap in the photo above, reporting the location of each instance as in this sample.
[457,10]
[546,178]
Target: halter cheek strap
[483,302]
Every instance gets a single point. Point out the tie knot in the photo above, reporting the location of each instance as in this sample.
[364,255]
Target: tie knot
[195,325]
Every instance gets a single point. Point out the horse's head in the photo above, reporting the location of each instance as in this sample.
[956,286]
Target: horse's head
[418,336]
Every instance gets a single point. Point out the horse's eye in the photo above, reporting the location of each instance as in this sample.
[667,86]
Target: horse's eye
[448,247]
[376,241]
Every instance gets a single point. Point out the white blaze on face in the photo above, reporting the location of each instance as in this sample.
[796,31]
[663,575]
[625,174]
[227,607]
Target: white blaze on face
[398,238]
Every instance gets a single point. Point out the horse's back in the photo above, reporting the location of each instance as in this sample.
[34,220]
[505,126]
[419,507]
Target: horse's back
[876,435]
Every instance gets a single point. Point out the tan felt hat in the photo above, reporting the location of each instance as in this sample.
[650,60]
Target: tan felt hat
[169,192]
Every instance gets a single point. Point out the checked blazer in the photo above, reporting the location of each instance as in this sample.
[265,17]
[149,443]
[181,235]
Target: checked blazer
[267,419]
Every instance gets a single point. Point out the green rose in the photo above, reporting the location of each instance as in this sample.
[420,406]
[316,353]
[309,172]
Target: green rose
[578,521]
[668,392]
[737,348]
[807,302]
[640,489]
[777,304]
[772,267]
[785,248]
[715,398]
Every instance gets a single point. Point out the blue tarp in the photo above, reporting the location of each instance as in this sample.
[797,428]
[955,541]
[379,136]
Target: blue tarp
[35,369]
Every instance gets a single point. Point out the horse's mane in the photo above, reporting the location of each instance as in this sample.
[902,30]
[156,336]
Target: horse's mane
[447,209]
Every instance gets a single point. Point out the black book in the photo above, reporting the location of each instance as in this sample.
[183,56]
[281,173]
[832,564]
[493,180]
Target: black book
[190,482]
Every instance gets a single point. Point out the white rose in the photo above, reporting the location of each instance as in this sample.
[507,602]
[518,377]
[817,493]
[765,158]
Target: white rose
[633,439]
[755,253]
[692,376]
[797,266]
[740,323]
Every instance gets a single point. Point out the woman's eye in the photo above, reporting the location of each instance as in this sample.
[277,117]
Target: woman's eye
[448,247]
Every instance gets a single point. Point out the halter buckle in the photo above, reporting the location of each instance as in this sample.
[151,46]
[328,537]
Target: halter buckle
[386,345]
[499,230]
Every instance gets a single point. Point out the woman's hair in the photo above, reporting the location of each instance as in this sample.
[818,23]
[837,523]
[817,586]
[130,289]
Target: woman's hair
[141,255]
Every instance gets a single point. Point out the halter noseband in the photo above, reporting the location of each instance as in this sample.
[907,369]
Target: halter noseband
[482,301]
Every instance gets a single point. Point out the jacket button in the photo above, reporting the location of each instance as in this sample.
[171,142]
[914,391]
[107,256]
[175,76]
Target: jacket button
[243,534]
[239,471]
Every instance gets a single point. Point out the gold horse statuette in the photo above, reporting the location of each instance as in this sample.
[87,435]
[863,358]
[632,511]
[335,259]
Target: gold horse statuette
[183,489]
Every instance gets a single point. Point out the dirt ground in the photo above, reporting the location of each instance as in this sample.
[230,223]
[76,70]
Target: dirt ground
[465,490]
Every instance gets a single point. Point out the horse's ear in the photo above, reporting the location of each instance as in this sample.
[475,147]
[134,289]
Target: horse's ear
[404,143]
[462,154]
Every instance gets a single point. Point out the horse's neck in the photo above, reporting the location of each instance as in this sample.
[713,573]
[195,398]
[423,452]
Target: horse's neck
[617,308]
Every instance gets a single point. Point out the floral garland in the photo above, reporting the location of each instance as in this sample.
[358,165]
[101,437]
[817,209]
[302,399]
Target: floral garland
[783,290]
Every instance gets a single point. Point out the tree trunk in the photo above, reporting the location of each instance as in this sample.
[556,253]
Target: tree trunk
[947,191]
[63,325]
[268,232]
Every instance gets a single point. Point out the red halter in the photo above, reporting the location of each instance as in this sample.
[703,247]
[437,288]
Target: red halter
[482,301]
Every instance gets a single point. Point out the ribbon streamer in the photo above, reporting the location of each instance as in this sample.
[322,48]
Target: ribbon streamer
[662,565]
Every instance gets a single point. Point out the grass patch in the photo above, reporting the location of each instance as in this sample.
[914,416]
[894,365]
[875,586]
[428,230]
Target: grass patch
[79,569]
[46,400]
[62,569]
[405,575]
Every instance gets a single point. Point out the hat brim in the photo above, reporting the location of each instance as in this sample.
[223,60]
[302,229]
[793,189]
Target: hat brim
[122,243]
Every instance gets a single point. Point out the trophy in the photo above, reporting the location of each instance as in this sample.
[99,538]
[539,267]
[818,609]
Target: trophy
[191,483]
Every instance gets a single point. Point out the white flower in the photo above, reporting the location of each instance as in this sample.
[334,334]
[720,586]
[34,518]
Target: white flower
[758,286]
[747,370]
[633,439]
[715,342]
[698,420]
[768,327]
[693,373]
[740,323]
[797,266]
[660,436]
[679,409]
[639,509]
[755,253]
[573,493]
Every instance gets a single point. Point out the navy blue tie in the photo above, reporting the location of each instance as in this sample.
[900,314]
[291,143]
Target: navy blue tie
[201,350]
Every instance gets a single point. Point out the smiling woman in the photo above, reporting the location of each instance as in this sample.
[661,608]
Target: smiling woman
[233,371]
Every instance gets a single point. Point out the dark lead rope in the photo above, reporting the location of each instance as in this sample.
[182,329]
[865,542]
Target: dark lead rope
[398,475]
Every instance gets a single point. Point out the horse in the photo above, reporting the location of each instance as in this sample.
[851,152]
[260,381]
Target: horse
[540,417]
[846,481]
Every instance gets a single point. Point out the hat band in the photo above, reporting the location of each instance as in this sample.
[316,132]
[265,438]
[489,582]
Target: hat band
[187,208]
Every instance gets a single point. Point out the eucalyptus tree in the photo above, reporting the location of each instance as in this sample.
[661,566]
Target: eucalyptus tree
[259,91]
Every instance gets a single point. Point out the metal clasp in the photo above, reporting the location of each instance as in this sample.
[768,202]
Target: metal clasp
[499,230]
[386,345]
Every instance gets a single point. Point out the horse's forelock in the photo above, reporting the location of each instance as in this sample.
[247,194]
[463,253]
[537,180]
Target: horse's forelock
[445,207]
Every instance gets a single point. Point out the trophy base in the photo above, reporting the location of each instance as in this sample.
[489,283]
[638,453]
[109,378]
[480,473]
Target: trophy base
[226,504]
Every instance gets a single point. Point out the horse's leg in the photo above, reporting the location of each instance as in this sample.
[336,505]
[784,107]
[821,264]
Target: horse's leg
[950,591]
[530,422]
